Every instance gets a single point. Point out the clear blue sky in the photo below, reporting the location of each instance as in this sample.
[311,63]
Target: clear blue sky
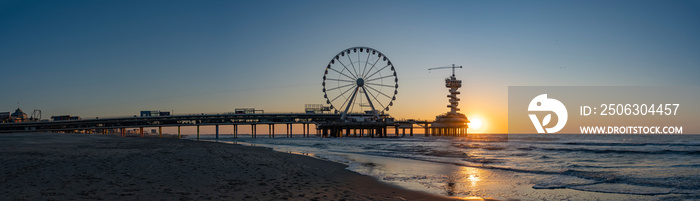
[115,58]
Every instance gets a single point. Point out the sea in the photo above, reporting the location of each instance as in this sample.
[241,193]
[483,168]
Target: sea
[516,166]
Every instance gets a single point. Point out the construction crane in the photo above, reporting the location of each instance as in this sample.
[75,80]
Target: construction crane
[443,67]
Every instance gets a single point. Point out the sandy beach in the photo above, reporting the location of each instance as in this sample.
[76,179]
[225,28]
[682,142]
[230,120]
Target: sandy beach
[47,166]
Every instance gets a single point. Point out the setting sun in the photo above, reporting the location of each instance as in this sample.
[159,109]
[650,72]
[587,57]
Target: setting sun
[475,123]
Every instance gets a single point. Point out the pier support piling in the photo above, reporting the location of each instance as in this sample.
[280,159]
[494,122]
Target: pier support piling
[427,130]
[287,131]
[254,128]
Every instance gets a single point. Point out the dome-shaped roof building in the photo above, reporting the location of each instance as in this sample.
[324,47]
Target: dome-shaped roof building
[19,115]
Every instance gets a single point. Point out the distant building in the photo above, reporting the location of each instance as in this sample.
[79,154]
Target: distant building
[64,117]
[18,116]
[60,117]
[248,111]
[5,117]
[316,108]
[154,113]
[150,113]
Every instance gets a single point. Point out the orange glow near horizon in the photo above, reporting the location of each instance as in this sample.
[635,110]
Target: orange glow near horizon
[491,117]
[487,105]
[492,123]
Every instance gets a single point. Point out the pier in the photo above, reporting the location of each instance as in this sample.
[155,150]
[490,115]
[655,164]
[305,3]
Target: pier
[325,125]
[358,98]
[217,120]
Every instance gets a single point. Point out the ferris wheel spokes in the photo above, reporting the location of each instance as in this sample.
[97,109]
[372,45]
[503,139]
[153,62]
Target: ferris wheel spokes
[375,98]
[361,74]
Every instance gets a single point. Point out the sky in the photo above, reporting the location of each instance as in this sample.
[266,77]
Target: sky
[116,58]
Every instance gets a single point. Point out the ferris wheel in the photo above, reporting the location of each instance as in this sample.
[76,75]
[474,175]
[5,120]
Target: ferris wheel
[360,80]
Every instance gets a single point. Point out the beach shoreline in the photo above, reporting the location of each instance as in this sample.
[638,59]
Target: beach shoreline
[443,166]
[52,166]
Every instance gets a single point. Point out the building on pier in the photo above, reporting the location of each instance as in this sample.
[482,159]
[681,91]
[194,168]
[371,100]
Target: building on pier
[154,113]
[17,116]
[451,123]
[5,117]
[64,118]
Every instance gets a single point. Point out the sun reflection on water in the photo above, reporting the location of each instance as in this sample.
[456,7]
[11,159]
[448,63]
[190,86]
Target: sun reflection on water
[472,175]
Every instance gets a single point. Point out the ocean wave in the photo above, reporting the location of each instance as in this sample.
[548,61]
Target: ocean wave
[627,144]
[694,151]
[691,165]
[609,177]
[467,146]
[519,154]
[616,151]
[444,153]
[623,189]
[479,146]
[483,160]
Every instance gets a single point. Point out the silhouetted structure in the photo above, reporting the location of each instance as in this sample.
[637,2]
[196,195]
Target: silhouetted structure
[451,123]
[5,117]
[64,118]
[155,113]
[18,116]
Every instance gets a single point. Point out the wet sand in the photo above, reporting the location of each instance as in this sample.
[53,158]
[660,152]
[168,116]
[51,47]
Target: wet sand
[97,167]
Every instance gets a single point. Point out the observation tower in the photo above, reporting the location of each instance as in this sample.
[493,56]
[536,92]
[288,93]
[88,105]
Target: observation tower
[451,123]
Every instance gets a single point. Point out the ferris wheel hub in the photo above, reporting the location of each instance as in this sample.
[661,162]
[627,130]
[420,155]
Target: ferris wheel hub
[360,82]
